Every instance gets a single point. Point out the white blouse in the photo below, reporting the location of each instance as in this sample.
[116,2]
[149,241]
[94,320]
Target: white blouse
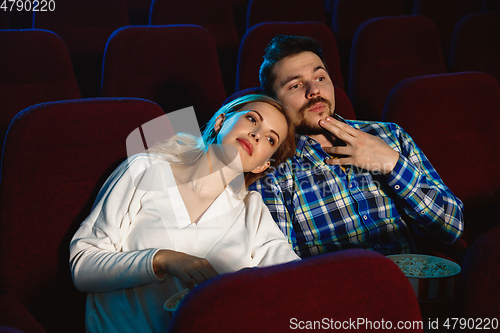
[139,211]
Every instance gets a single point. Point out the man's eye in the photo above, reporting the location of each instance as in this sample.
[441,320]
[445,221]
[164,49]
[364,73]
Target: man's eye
[321,79]
[295,86]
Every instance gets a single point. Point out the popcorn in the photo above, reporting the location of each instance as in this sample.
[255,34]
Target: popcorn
[422,267]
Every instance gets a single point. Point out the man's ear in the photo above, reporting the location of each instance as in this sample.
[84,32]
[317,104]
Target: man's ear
[219,121]
[261,167]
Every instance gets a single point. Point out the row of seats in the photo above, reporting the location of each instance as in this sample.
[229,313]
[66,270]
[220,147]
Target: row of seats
[139,62]
[96,20]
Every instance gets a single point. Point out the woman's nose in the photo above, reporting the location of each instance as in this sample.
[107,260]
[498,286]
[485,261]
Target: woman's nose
[255,136]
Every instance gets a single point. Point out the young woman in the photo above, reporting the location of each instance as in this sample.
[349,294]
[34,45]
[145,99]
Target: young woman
[180,215]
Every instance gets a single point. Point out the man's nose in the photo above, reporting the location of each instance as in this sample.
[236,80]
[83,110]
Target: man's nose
[312,90]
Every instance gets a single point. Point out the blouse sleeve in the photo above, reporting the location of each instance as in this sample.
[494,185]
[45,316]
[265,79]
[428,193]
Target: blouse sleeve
[96,259]
[269,246]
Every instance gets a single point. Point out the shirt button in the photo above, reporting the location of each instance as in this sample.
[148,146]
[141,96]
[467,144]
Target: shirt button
[397,187]
[365,217]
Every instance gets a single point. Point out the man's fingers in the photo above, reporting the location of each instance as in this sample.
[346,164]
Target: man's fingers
[338,161]
[338,150]
[339,129]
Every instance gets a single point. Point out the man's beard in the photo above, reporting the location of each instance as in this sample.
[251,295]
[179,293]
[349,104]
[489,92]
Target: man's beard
[304,127]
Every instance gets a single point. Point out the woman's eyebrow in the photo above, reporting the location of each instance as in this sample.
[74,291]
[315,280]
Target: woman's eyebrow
[262,119]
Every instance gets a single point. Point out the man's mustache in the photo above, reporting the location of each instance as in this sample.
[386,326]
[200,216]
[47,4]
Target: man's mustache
[314,101]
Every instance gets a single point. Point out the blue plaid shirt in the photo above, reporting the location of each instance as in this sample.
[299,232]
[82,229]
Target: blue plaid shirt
[324,208]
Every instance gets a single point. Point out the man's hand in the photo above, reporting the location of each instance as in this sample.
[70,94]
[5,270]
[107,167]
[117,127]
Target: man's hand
[363,150]
[190,269]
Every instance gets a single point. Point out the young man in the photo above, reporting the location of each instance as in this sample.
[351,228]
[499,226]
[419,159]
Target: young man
[351,184]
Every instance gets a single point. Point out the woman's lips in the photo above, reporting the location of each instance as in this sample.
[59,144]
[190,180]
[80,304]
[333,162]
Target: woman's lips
[246,145]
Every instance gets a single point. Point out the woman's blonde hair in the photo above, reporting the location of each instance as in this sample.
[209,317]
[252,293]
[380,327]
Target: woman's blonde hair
[185,148]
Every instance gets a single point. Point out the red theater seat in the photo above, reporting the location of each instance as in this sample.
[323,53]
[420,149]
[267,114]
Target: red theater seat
[85,26]
[331,289]
[56,157]
[259,11]
[258,37]
[385,51]
[453,118]
[476,44]
[348,15]
[175,66]
[445,14]
[479,288]
[35,67]
[216,16]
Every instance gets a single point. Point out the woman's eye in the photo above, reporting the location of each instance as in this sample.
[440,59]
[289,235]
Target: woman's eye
[252,119]
[271,140]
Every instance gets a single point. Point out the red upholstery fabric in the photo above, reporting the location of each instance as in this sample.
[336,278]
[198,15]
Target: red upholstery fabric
[216,16]
[453,118]
[343,105]
[13,314]
[56,157]
[85,26]
[445,14]
[36,68]
[347,16]
[476,44]
[4,20]
[258,37]
[479,289]
[259,11]
[175,66]
[338,286]
[385,51]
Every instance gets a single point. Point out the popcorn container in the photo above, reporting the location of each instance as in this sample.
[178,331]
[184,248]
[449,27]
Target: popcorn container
[436,285]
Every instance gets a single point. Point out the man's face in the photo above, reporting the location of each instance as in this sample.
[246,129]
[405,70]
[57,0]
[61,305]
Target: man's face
[306,91]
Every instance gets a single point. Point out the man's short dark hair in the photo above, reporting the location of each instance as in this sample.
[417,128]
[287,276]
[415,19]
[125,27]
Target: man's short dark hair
[282,46]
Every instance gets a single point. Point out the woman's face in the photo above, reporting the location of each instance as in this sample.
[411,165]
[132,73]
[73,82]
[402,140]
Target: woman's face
[256,131]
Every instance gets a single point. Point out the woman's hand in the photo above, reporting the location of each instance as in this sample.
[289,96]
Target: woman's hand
[189,269]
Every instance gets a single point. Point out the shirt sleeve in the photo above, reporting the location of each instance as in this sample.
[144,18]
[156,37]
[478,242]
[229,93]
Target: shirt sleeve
[429,202]
[269,244]
[273,197]
[96,260]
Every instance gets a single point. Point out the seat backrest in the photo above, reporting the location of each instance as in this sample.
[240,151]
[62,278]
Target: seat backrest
[215,15]
[385,51]
[259,11]
[445,14]
[348,15]
[257,38]
[84,25]
[476,44]
[173,65]
[35,67]
[56,157]
[453,118]
[479,287]
[340,286]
